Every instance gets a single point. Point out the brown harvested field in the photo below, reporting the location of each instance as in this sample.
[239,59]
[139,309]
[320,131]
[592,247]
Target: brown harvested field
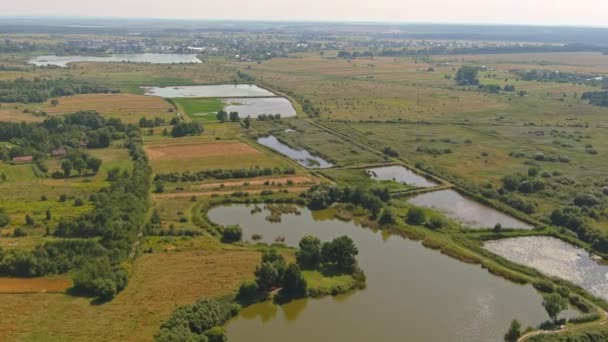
[182,151]
[201,154]
[160,283]
[33,285]
[16,115]
[127,107]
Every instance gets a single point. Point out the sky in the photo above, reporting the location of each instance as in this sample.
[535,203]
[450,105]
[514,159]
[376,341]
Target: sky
[517,12]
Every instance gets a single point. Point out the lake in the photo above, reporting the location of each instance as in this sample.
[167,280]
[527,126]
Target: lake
[466,211]
[557,258]
[156,58]
[413,293]
[254,107]
[303,157]
[212,90]
[400,174]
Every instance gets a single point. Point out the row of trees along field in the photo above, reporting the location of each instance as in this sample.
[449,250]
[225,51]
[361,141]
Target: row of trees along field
[41,89]
[94,244]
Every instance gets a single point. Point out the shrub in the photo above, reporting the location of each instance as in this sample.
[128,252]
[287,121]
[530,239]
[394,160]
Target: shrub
[232,233]
[544,286]
[247,291]
[4,218]
[415,216]
[387,217]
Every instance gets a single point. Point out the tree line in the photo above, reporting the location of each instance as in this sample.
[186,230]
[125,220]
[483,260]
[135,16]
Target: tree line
[187,176]
[40,90]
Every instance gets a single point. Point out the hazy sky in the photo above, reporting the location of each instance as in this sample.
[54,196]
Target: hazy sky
[539,12]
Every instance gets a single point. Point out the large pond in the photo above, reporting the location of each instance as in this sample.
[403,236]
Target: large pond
[400,174]
[413,293]
[157,58]
[466,211]
[255,107]
[212,90]
[557,258]
[303,157]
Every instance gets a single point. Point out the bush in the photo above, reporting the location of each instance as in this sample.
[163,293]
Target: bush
[387,217]
[232,233]
[247,291]
[19,232]
[415,216]
[544,286]
[4,218]
[198,322]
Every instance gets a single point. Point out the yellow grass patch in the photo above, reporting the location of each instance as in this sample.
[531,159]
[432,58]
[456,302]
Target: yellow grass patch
[127,107]
[161,282]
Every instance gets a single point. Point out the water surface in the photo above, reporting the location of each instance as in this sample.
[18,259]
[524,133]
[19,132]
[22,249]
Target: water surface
[303,157]
[557,258]
[400,174]
[157,58]
[212,90]
[466,211]
[254,107]
[413,293]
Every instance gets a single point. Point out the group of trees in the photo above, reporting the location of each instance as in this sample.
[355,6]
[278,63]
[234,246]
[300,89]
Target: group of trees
[151,123]
[269,117]
[467,76]
[596,98]
[71,132]
[322,196]
[99,239]
[186,176]
[182,129]
[223,116]
[561,77]
[78,161]
[273,272]
[201,321]
[336,256]
[40,90]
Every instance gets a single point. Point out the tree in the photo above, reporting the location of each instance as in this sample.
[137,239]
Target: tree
[467,75]
[309,255]
[294,284]
[248,290]
[94,164]
[49,215]
[66,166]
[514,332]
[79,165]
[247,122]
[222,116]
[159,187]
[54,102]
[341,253]
[554,304]
[415,216]
[234,116]
[266,276]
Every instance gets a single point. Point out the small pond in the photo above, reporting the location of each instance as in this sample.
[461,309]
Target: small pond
[400,174]
[157,58]
[466,211]
[413,293]
[303,157]
[557,258]
[256,106]
[211,90]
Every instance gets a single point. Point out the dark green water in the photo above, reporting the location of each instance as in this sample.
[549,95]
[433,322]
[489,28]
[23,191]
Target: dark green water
[413,293]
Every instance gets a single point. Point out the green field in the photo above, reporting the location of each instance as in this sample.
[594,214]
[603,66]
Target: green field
[203,109]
